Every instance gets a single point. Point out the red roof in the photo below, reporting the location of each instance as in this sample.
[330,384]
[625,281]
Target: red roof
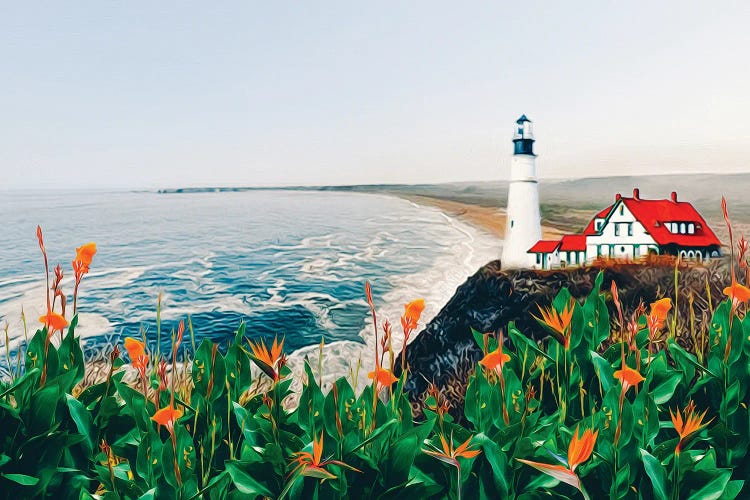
[544,246]
[654,213]
[591,229]
[573,243]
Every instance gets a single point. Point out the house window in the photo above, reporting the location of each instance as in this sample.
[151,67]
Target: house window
[511,223]
[598,225]
[683,228]
[630,229]
[622,210]
[617,230]
[538,258]
[691,228]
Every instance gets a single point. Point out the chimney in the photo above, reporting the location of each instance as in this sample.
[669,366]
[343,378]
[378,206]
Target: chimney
[618,196]
[637,194]
[674,196]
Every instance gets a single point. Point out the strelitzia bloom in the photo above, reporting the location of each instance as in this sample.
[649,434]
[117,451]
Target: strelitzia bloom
[449,454]
[558,323]
[312,465]
[270,361]
[579,450]
[687,423]
[383,378]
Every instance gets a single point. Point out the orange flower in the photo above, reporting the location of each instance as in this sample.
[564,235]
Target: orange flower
[738,293]
[270,361]
[450,455]
[628,377]
[659,310]
[495,360]
[167,416]
[137,353]
[412,312]
[310,464]
[53,321]
[579,450]
[692,423]
[383,378]
[84,256]
[558,323]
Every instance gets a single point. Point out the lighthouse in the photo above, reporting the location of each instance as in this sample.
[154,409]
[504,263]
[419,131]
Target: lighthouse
[523,226]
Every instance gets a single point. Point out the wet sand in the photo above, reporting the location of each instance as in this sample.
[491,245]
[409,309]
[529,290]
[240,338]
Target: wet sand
[488,219]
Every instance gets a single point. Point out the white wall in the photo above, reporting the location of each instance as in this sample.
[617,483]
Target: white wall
[523,227]
[624,245]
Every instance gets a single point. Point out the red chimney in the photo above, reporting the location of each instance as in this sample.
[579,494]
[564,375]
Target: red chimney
[637,193]
[674,196]
[618,196]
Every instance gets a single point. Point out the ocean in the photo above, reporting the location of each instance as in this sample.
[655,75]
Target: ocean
[287,263]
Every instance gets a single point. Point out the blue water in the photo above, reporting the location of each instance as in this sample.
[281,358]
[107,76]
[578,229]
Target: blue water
[287,263]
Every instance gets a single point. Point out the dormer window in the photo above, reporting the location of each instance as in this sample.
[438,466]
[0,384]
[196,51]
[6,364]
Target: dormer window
[598,225]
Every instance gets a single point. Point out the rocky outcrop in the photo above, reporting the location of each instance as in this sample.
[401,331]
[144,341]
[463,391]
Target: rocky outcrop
[445,352]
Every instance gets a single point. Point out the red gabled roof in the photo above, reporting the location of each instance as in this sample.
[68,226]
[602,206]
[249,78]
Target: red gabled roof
[544,246]
[654,213]
[591,228]
[573,243]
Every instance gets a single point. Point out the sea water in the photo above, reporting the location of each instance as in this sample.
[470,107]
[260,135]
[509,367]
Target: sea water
[291,264]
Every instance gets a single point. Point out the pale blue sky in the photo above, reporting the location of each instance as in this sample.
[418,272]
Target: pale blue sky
[167,94]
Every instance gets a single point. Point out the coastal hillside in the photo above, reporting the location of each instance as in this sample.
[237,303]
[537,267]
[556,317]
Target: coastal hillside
[569,203]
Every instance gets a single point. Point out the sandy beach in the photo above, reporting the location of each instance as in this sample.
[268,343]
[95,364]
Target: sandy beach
[488,219]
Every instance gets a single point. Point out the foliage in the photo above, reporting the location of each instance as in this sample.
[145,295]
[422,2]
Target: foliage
[563,418]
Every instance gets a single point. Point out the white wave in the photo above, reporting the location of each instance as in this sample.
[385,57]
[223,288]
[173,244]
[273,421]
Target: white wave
[469,250]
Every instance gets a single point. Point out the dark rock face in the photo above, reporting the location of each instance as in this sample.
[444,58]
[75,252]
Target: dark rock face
[445,351]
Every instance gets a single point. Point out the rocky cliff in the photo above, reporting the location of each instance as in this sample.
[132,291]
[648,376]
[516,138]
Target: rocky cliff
[445,352]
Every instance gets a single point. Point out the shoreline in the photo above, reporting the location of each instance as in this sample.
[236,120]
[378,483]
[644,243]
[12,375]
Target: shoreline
[489,220]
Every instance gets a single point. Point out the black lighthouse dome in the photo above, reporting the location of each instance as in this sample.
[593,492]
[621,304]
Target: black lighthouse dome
[523,138]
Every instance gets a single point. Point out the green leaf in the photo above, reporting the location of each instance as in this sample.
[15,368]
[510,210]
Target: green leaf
[657,473]
[714,489]
[21,479]
[83,420]
[244,482]
[520,341]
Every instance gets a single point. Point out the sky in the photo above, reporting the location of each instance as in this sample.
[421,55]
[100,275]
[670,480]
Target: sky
[170,94]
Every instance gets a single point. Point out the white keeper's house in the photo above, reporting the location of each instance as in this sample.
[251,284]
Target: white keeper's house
[632,228]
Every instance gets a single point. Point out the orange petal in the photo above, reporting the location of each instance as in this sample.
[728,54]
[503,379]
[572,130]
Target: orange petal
[85,253]
[629,377]
[737,292]
[53,321]
[167,416]
[136,349]
[414,309]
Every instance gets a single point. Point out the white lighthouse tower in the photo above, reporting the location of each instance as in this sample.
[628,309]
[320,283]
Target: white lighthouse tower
[523,227]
